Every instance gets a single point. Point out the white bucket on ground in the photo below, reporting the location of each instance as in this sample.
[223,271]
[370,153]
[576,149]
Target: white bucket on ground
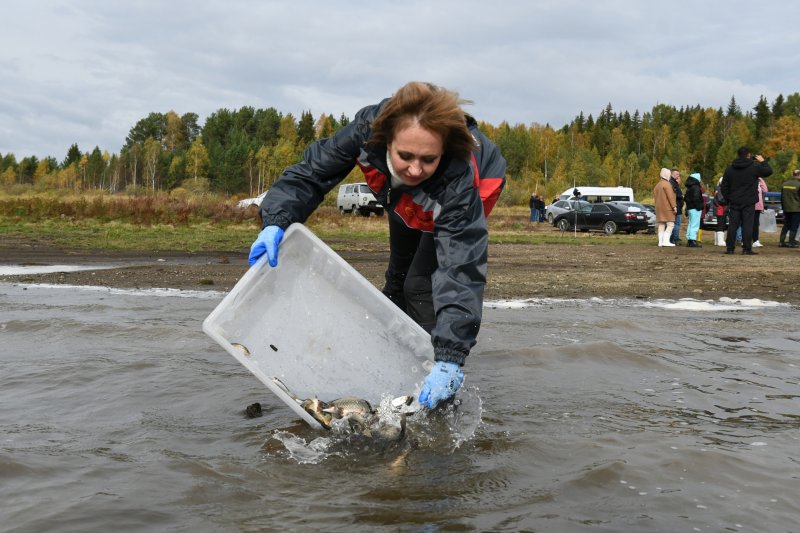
[767,222]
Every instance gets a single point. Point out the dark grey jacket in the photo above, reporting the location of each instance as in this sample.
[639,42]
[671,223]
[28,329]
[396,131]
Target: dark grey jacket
[694,194]
[448,204]
[678,195]
[740,181]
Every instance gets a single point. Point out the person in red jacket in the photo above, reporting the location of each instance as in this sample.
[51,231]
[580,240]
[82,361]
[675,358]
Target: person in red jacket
[438,177]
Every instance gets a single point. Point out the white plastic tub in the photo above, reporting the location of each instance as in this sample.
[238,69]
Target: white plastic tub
[320,327]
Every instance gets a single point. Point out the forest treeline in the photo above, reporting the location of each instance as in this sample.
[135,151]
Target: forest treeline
[241,152]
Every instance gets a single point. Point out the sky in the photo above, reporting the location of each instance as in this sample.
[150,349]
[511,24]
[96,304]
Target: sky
[85,71]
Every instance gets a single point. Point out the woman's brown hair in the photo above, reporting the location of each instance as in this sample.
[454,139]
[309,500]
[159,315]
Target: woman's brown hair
[434,108]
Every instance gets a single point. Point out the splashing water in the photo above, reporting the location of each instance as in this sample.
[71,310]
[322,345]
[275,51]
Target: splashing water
[443,430]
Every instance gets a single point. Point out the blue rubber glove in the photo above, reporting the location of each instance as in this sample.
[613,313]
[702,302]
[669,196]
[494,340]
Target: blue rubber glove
[266,242]
[442,383]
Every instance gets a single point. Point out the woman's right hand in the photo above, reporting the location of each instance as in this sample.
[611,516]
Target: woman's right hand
[267,242]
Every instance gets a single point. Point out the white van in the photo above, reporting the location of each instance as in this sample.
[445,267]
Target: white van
[357,198]
[600,194]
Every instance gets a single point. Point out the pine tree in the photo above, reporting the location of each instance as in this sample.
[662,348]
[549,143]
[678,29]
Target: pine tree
[777,107]
[305,128]
[73,156]
[733,109]
[763,116]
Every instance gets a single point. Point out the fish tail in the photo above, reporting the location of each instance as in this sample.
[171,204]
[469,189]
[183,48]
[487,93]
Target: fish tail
[285,389]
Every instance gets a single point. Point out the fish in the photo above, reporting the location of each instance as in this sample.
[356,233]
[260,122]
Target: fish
[349,407]
[241,347]
[356,413]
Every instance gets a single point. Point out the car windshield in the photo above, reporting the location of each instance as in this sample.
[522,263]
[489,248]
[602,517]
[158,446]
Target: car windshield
[364,189]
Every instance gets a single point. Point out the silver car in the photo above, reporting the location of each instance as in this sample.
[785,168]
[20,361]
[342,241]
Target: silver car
[558,207]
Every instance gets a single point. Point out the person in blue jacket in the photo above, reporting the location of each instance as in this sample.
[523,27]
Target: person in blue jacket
[438,177]
[693,202]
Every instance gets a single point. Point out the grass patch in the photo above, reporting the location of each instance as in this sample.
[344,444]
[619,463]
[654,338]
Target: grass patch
[205,225]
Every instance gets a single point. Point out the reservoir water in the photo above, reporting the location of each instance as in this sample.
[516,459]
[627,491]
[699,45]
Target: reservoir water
[118,413]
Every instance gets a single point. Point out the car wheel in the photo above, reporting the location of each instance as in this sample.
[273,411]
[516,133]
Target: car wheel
[563,224]
[379,212]
[341,210]
[363,213]
[550,218]
[353,210]
[610,227]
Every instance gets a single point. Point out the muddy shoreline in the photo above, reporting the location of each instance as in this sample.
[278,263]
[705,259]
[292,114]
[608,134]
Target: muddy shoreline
[571,269]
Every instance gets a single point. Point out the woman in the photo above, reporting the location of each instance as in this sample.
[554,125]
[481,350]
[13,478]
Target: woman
[762,188]
[693,200]
[666,208]
[438,177]
[721,212]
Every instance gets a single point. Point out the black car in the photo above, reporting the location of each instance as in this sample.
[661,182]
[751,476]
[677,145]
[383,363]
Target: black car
[649,210]
[606,217]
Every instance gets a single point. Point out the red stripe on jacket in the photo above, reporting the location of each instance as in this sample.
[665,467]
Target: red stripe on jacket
[414,215]
[488,188]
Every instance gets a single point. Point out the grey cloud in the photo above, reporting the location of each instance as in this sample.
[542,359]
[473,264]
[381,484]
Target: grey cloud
[101,66]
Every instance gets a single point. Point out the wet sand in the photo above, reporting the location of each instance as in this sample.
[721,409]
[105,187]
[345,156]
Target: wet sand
[636,269]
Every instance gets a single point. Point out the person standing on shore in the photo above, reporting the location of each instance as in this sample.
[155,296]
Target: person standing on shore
[542,207]
[438,177]
[721,212]
[675,181]
[762,188]
[694,209]
[740,189]
[664,196]
[533,203]
[790,203]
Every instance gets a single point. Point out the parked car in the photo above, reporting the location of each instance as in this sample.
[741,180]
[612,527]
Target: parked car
[357,198]
[772,200]
[599,194]
[651,209]
[607,217]
[558,207]
[247,202]
[650,212]
[709,220]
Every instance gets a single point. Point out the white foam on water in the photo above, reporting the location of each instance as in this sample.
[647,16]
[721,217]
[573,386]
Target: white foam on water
[723,304]
[312,452]
[526,302]
[684,304]
[21,270]
[156,291]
